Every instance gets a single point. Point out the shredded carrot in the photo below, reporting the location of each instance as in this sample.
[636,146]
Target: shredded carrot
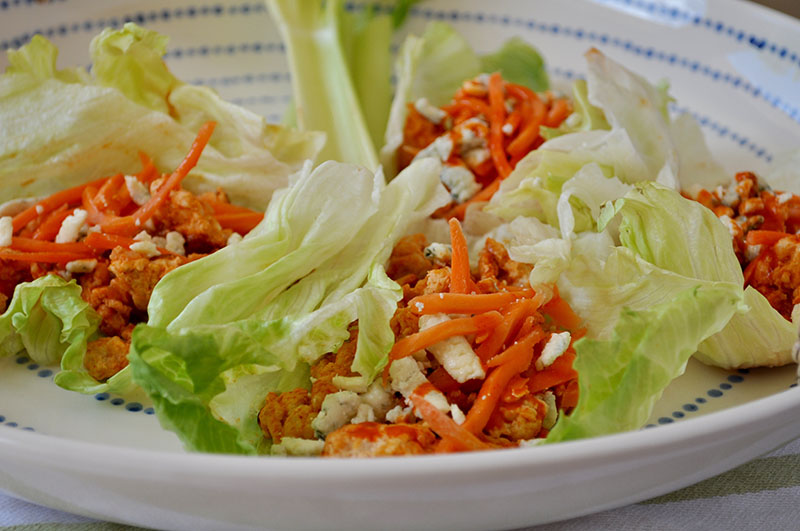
[221,207]
[130,225]
[94,216]
[37,246]
[461,326]
[149,172]
[497,116]
[241,222]
[534,334]
[432,303]
[512,319]
[49,257]
[570,397]
[561,313]
[103,198]
[48,229]
[460,276]
[765,237]
[458,437]
[106,242]
[518,359]
[523,142]
[50,203]
[527,326]
[559,372]
[557,113]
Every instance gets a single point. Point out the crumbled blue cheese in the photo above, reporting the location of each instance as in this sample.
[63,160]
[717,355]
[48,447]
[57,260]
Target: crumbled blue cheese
[728,196]
[439,253]
[296,447]
[175,243]
[551,414]
[476,157]
[71,227]
[337,410]
[364,413]
[86,265]
[555,347]
[784,197]
[143,236]
[441,148]
[751,252]
[145,245]
[378,398]
[507,129]
[398,412]
[39,209]
[137,190]
[429,111]
[406,377]
[234,238]
[6,231]
[454,353]
[460,181]
[457,414]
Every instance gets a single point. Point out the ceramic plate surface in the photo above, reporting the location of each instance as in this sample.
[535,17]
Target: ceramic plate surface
[732,65]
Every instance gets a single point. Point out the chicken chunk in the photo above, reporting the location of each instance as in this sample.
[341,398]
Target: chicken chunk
[370,439]
[517,421]
[105,357]
[494,262]
[137,275]
[408,259]
[194,219]
[287,415]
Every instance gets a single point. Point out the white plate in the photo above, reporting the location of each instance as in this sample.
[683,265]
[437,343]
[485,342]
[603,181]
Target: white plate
[107,457]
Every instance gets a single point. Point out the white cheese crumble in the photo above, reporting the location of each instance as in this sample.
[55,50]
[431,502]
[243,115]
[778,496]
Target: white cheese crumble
[294,446]
[137,190]
[454,353]
[460,181]
[398,412]
[147,248]
[439,253]
[6,231]
[378,398]
[555,347]
[364,413]
[71,226]
[784,197]
[143,236]
[751,252]
[175,243]
[440,148]
[574,120]
[337,410]
[234,238]
[729,197]
[457,414]
[406,377]
[507,129]
[476,157]
[82,266]
[429,111]
[39,209]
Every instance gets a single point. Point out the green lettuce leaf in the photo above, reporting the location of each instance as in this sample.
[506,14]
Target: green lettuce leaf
[683,236]
[520,63]
[622,377]
[585,117]
[66,127]
[229,328]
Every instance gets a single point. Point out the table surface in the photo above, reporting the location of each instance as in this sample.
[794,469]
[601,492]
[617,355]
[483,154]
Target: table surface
[765,490]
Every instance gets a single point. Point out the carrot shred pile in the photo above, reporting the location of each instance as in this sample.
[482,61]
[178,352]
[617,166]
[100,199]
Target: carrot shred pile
[509,330]
[492,125]
[110,208]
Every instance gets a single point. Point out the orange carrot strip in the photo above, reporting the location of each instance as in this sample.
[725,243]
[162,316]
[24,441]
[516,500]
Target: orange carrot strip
[35,246]
[561,313]
[50,203]
[497,116]
[105,242]
[241,222]
[559,372]
[765,237]
[49,257]
[103,197]
[49,228]
[221,207]
[527,326]
[445,427]
[557,113]
[536,336]
[460,276]
[130,225]
[512,318]
[521,354]
[442,380]
[570,397]
[149,172]
[464,303]
[524,141]
[461,326]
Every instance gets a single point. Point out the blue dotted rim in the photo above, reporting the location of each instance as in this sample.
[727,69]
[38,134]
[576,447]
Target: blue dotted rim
[694,406]
[116,401]
[529,24]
